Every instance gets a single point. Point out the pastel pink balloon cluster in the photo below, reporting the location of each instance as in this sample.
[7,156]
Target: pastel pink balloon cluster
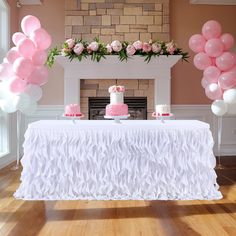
[23,70]
[218,65]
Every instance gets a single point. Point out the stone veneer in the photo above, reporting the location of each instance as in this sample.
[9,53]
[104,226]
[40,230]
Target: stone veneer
[109,20]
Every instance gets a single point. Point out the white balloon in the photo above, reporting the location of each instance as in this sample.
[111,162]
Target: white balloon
[34,91]
[219,107]
[230,96]
[8,105]
[231,109]
[22,101]
[30,109]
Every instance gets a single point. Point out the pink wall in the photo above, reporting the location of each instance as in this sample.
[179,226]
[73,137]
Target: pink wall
[185,20]
[14,17]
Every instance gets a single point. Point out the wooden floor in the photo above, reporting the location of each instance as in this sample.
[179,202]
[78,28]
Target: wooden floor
[118,218]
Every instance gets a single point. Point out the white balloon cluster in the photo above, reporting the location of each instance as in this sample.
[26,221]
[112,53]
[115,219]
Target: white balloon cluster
[23,70]
[218,65]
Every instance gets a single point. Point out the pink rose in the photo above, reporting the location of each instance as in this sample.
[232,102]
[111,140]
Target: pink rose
[130,50]
[70,43]
[109,48]
[78,49]
[156,47]
[116,88]
[138,45]
[116,45]
[93,46]
[170,47]
[147,47]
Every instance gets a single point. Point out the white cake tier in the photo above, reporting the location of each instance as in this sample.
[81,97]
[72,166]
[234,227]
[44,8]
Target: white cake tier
[162,109]
[116,98]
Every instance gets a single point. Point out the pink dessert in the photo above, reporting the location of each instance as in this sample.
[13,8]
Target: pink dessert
[117,110]
[72,110]
[116,106]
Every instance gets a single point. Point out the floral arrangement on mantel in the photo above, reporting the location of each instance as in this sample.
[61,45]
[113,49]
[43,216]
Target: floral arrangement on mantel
[79,49]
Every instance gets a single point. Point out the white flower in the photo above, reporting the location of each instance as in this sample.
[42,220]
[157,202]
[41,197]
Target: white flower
[116,45]
[70,43]
[138,45]
[93,46]
[78,49]
[109,48]
[156,47]
[130,50]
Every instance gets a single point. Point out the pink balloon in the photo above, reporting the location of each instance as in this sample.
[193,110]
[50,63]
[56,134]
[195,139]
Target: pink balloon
[202,61]
[6,71]
[23,67]
[227,80]
[26,48]
[39,58]
[213,59]
[214,47]
[41,39]
[212,72]
[29,24]
[12,55]
[39,76]
[204,82]
[211,29]
[197,43]
[227,40]
[16,37]
[17,85]
[213,91]
[225,61]
[233,69]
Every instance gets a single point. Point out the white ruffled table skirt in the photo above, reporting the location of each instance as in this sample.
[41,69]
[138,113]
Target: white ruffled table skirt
[102,160]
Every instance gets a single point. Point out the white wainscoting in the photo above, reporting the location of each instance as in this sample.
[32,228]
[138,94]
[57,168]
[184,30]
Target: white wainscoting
[199,112]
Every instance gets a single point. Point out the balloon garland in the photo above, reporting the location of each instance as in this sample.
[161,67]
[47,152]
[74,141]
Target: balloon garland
[23,70]
[218,65]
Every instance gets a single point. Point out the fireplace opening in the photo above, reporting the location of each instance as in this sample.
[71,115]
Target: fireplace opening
[137,107]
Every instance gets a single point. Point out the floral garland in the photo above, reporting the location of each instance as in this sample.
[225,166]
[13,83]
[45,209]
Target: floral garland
[79,49]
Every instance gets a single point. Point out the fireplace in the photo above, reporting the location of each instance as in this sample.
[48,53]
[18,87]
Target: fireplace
[137,107]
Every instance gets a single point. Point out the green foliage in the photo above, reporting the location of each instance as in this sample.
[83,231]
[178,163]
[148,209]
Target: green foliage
[167,49]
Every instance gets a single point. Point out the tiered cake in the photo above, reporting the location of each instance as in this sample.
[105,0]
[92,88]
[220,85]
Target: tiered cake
[116,106]
[72,110]
[162,110]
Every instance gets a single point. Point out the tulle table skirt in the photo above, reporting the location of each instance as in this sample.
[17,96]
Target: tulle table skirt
[106,161]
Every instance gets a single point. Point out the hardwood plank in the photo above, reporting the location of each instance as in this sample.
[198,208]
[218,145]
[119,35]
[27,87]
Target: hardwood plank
[117,218]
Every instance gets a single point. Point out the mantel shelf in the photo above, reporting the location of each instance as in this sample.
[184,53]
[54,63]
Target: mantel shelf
[111,67]
[159,69]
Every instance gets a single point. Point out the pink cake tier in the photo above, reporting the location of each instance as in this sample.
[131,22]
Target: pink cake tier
[72,110]
[116,110]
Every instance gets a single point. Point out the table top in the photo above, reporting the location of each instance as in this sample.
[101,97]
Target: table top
[110,124]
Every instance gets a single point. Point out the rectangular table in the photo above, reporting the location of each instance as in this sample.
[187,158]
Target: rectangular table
[138,159]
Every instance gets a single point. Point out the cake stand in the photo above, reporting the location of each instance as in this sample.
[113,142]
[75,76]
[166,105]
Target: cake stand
[117,118]
[162,117]
[73,118]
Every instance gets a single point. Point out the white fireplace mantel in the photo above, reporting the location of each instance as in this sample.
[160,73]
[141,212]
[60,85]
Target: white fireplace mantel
[159,69]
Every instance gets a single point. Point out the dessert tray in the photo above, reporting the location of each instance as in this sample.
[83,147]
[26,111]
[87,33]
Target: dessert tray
[73,117]
[117,118]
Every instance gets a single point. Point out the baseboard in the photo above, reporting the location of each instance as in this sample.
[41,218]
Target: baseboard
[187,112]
